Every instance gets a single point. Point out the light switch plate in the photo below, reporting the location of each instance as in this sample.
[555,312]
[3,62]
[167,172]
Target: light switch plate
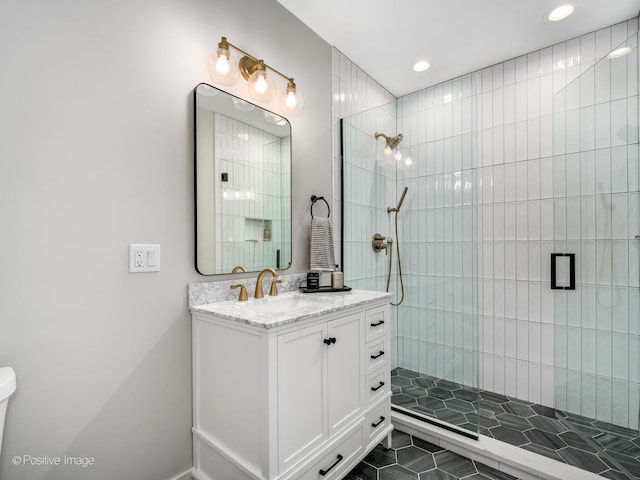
[144,258]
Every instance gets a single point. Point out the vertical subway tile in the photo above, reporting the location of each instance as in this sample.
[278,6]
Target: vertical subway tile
[521,69]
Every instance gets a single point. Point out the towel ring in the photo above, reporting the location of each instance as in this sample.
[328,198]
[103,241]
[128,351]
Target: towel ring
[314,199]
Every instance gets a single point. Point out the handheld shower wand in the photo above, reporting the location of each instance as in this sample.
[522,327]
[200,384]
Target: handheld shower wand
[397,208]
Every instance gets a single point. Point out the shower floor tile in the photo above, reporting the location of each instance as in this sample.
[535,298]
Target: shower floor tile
[608,450]
[410,458]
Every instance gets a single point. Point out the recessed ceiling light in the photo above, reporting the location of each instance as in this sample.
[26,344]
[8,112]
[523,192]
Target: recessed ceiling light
[421,66]
[619,52]
[560,13]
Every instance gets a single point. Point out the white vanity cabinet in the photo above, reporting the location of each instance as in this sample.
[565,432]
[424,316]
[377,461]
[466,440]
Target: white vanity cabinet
[299,400]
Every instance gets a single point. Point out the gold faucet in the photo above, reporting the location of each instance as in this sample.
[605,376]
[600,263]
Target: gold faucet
[239,268]
[243,297]
[273,292]
[259,293]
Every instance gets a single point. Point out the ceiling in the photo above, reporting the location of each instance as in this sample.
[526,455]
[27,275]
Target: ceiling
[385,38]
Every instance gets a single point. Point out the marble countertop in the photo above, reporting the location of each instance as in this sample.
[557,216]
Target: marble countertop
[288,307]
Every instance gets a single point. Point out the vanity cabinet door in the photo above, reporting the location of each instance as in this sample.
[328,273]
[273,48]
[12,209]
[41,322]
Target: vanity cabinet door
[345,371]
[302,395]
[320,384]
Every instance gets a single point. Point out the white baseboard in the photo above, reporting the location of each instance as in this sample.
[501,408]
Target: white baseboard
[186,475]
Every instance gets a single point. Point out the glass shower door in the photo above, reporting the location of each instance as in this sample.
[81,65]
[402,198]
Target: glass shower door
[597,320]
[434,331]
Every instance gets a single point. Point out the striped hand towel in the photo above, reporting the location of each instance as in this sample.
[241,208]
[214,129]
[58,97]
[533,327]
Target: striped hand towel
[322,256]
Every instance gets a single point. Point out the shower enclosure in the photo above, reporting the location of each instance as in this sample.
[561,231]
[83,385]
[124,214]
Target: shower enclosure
[435,328]
[505,167]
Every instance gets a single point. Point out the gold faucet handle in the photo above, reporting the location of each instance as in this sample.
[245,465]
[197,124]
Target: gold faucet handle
[274,287]
[243,292]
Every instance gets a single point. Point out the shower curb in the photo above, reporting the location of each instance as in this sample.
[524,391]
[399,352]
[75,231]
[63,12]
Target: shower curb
[493,453]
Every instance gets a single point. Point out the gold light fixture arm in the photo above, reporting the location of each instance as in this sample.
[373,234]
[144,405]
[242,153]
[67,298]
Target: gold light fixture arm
[249,64]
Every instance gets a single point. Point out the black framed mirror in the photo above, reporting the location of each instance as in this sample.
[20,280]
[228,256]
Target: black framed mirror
[242,184]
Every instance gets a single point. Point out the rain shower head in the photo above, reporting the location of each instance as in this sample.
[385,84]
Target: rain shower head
[391,142]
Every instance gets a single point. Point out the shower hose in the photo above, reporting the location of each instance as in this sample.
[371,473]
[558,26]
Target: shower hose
[399,264]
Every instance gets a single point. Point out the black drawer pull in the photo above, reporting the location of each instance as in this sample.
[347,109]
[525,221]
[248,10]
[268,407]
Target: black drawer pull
[330,340]
[377,324]
[376,425]
[375,389]
[378,355]
[324,472]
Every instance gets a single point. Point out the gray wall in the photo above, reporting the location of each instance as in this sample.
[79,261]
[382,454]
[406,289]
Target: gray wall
[96,153]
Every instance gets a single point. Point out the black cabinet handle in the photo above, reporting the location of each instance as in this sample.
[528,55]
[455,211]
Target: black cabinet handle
[330,340]
[377,424]
[324,472]
[378,355]
[377,324]
[375,389]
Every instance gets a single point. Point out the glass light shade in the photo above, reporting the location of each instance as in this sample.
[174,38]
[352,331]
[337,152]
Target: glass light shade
[261,86]
[223,67]
[387,150]
[291,102]
[398,155]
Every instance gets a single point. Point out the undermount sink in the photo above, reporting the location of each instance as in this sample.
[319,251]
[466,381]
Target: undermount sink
[279,305]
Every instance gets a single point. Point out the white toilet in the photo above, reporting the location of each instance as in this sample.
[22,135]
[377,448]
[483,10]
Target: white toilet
[7,387]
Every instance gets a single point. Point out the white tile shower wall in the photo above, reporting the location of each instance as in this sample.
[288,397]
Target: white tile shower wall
[366,200]
[516,231]
[354,91]
[437,326]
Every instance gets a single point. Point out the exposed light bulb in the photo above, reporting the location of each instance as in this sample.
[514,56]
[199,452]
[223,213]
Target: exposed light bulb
[291,100]
[261,84]
[387,150]
[222,65]
[398,155]
[223,68]
[408,161]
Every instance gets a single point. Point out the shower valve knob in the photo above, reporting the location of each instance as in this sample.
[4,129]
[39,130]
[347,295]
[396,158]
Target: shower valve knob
[378,243]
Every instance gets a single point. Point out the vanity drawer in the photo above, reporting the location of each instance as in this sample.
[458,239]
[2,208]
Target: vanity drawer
[337,460]
[377,421]
[376,355]
[377,385]
[377,323]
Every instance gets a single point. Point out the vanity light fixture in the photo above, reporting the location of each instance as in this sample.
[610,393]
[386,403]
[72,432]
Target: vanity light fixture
[560,13]
[224,70]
